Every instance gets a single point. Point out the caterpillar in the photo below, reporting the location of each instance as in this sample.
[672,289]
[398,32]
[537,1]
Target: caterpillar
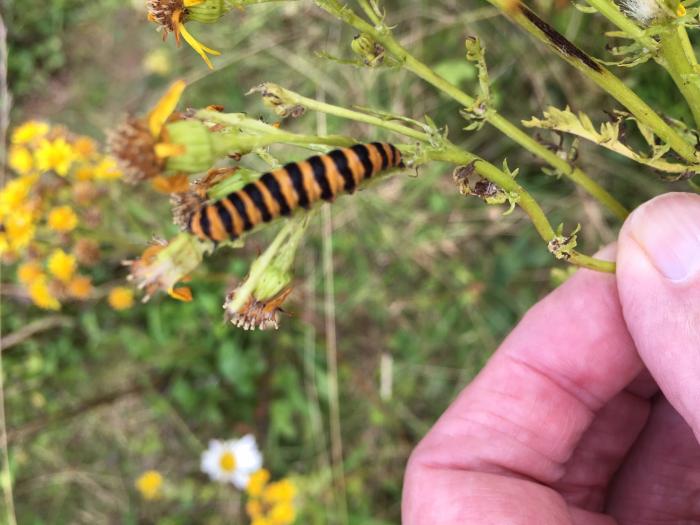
[297,184]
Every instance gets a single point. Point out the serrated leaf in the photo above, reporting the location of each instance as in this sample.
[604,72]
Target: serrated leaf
[608,136]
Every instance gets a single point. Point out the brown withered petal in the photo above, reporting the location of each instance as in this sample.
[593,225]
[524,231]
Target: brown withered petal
[165,13]
[87,252]
[263,315]
[133,146]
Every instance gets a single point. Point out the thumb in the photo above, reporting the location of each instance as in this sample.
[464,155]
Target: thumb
[658,279]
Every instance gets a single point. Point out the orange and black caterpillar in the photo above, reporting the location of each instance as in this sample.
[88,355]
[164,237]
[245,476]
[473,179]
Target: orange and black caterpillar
[281,191]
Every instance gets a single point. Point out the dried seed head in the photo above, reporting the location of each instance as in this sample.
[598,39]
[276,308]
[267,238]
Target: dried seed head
[166,13]
[261,315]
[163,265]
[134,147]
[184,205]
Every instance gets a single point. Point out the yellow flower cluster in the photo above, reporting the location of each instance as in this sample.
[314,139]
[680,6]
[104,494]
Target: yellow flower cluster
[150,484]
[42,209]
[270,503]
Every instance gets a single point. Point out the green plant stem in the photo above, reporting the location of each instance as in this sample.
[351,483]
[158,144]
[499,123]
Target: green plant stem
[259,135]
[411,63]
[449,152]
[611,11]
[349,114]
[675,53]
[678,57]
[598,74]
[528,204]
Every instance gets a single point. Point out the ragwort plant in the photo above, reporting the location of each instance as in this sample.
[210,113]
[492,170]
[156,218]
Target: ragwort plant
[194,154]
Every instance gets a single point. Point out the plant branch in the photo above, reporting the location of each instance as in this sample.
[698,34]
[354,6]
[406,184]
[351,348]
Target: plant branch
[593,70]
[448,152]
[678,57]
[383,35]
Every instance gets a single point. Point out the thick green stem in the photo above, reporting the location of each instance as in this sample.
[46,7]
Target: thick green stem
[679,60]
[593,70]
[382,35]
[673,51]
[611,11]
[528,204]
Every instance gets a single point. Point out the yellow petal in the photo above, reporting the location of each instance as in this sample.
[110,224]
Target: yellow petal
[200,48]
[166,105]
[183,294]
[680,11]
[172,184]
[164,150]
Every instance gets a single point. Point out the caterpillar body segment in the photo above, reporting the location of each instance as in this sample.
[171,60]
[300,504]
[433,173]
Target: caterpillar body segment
[297,184]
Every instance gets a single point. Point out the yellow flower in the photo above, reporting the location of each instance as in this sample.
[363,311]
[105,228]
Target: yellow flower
[18,230]
[29,132]
[282,514]
[106,169]
[84,147]
[85,172]
[21,160]
[80,287]
[15,194]
[149,484]
[63,219]
[257,482]
[276,506]
[55,155]
[62,265]
[170,15]
[254,508]
[28,272]
[41,294]
[121,298]
[260,521]
[280,491]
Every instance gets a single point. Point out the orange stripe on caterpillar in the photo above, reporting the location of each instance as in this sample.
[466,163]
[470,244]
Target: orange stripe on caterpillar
[298,184]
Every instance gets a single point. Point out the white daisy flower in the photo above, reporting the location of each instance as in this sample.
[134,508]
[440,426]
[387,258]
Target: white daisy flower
[232,461]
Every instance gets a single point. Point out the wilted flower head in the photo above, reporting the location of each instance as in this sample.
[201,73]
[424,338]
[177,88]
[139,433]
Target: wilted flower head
[260,314]
[138,144]
[257,302]
[164,264]
[232,461]
[171,15]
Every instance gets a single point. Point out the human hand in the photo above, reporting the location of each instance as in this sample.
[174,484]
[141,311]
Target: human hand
[589,412]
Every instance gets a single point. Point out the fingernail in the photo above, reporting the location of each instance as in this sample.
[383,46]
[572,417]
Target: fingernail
[668,230]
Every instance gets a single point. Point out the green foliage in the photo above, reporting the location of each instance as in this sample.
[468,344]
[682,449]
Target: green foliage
[423,277]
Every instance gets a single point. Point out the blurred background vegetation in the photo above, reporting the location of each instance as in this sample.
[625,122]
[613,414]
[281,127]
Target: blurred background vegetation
[425,282]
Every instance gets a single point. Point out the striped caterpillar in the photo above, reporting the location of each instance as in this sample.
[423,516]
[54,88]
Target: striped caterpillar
[283,190]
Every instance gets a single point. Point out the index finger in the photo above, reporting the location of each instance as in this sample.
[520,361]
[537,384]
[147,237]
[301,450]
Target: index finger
[524,414]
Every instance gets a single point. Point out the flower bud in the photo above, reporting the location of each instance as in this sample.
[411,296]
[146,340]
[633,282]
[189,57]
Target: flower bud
[371,51]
